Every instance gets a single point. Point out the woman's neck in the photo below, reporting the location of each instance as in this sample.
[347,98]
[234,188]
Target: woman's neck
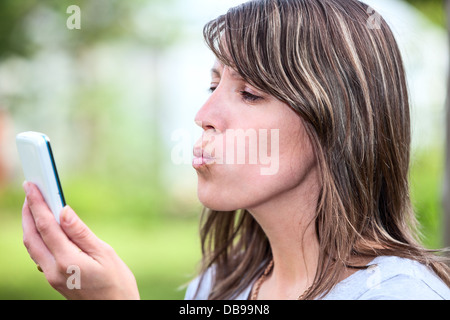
[289,224]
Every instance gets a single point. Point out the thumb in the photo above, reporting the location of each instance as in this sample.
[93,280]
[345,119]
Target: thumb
[79,233]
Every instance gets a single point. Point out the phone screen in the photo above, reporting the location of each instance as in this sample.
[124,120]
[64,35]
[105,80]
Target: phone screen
[58,182]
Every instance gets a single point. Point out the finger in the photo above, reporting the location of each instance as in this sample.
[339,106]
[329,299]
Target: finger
[33,242]
[45,223]
[79,233]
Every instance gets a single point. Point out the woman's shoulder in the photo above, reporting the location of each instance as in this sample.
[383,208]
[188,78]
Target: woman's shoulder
[200,287]
[391,278]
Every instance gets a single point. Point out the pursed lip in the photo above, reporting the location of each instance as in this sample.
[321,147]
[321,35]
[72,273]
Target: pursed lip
[201,158]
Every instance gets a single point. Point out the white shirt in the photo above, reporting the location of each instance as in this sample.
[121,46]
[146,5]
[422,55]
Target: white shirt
[386,278]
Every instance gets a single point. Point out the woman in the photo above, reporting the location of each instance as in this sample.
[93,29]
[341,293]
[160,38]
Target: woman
[334,220]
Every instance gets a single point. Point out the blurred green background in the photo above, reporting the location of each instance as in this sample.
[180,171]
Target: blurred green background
[116,96]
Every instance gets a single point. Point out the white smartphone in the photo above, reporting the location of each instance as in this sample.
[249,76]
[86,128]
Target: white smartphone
[39,167]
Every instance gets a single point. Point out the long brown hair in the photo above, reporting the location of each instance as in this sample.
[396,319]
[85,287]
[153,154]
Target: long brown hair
[343,75]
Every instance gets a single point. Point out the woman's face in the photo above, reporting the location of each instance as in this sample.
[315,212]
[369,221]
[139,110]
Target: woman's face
[254,147]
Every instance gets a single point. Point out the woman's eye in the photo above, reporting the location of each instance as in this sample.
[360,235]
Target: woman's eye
[247,96]
[212,89]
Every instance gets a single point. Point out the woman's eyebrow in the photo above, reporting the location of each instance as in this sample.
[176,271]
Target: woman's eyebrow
[234,74]
[215,72]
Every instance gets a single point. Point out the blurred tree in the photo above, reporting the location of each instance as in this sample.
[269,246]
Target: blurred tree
[102,20]
[74,83]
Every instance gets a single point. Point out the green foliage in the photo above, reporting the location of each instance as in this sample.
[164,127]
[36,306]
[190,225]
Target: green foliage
[102,21]
[426,185]
[108,151]
[432,9]
[162,257]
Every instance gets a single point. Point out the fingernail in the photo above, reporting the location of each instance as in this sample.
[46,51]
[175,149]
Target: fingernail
[26,187]
[68,215]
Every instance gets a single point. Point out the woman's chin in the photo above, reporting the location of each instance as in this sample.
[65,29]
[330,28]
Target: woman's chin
[215,202]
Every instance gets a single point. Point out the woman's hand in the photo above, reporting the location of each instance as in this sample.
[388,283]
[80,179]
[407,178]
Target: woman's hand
[75,262]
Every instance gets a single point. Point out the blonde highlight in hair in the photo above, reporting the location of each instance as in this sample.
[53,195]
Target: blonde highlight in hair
[347,83]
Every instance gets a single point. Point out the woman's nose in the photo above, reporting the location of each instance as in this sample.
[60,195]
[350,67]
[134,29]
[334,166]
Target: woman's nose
[210,116]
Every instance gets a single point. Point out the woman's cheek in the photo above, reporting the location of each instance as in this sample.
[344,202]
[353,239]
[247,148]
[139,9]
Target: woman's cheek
[245,167]
[228,187]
